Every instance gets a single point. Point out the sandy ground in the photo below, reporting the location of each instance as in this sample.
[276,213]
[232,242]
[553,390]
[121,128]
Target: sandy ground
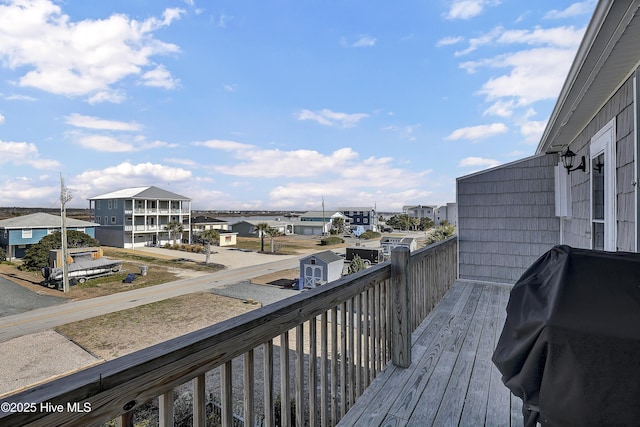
[227,256]
[42,356]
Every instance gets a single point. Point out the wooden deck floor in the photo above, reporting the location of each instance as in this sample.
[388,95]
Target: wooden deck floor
[451,380]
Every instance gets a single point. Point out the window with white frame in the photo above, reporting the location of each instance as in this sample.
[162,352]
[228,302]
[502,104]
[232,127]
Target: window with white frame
[27,233]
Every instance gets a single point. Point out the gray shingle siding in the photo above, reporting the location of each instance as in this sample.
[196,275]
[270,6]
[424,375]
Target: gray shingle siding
[577,229]
[506,219]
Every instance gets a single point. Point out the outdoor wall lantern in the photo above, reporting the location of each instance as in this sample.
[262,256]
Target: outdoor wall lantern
[567,161]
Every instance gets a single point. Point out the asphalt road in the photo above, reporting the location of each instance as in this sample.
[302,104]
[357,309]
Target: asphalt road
[225,282]
[17,299]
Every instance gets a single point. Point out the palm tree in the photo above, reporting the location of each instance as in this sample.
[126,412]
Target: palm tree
[262,228]
[209,236]
[272,232]
[174,227]
[337,224]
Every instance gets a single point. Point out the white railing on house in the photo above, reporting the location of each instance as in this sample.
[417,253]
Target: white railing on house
[332,340]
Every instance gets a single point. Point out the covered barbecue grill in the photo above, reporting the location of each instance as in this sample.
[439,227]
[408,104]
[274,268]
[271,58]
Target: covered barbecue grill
[570,347]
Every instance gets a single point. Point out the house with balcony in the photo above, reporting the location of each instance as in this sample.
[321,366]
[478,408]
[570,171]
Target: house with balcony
[409,342]
[19,233]
[361,216]
[137,217]
[420,211]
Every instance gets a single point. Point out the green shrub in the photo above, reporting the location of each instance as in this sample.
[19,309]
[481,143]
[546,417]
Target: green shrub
[370,235]
[332,240]
[3,255]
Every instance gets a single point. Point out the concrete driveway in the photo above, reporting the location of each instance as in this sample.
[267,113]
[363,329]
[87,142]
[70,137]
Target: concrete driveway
[16,299]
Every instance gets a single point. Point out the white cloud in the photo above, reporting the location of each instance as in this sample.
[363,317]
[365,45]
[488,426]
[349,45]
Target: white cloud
[23,153]
[563,37]
[475,133]
[574,9]
[477,42]
[76,58]
[534,75]
[364,41]
[128,175]
[532,130]
[448,41]
[361,41]
[120,144]
[222,20]
[308,174]
[224,145]
[16,97]
[25,192]
[1,119]
[90,122]
[467,9]
[113,96]
[261,163]
[403,132]
[477,162]
[500,108]
[160,77]
[331,118]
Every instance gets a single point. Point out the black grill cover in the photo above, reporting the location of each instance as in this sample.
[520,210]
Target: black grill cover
[570,347]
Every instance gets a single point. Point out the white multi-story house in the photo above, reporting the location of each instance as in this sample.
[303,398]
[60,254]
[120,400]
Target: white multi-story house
[135,217]
[420,211]
[448,212]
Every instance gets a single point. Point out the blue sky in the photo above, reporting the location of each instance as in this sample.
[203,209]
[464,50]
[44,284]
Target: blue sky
[275,104]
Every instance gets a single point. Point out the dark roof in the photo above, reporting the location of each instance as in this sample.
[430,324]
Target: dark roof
[326,256]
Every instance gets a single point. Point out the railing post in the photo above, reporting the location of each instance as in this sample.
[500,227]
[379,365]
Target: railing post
[401,311]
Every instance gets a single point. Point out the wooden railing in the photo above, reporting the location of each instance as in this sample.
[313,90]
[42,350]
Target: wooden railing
[333,341]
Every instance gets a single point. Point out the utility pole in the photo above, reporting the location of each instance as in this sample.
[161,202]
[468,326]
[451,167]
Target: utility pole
[65,196]
[323,220]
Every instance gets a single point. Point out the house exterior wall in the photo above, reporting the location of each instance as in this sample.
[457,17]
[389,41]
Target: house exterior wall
[228,239]
[244,229]
[420,211]
[506,219]
[577,228]
[366,217]
[145,219]
[448,212]
[15,244]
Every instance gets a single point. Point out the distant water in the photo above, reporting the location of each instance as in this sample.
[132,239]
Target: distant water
[236,219]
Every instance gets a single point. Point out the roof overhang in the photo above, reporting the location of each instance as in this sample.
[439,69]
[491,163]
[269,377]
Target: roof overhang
[607,57]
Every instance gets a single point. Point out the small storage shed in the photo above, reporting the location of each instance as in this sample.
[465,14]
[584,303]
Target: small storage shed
[320,268]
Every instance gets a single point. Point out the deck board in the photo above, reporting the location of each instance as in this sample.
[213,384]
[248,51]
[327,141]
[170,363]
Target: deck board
[451,380]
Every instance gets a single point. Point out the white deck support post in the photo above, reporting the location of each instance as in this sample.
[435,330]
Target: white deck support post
[401,310]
